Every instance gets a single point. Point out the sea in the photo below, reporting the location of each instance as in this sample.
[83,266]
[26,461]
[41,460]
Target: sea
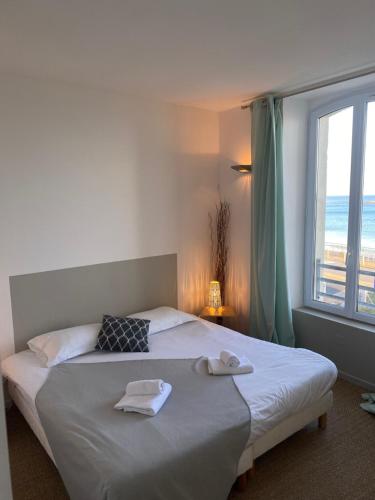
[337,210]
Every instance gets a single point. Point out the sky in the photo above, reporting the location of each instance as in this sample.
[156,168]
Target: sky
[339,152]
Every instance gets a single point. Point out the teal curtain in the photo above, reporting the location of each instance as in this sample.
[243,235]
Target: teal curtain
[270,313]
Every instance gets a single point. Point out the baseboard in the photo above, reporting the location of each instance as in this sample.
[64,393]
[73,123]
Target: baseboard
[357,381]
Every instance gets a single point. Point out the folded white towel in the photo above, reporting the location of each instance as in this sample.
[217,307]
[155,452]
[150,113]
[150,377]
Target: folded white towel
[229,358]
[217,367]
[147,405]
[145,387]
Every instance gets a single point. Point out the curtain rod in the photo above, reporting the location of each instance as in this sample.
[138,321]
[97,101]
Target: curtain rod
[317,85]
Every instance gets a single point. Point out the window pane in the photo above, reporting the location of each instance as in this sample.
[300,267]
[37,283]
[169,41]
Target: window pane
[332,206]
[366,276]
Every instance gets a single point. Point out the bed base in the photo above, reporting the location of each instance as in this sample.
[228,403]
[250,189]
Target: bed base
[322,421]
[242,480]
[246,467]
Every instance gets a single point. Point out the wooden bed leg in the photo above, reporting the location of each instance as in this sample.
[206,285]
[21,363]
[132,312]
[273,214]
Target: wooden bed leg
[322,421]
[241,482]
[251,472]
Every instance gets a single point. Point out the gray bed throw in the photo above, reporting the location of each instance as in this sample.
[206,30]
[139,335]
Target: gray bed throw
[189,450]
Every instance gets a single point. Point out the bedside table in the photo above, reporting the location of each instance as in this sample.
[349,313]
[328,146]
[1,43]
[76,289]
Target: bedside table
[218,313]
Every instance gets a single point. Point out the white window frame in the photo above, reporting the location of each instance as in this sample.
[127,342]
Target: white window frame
[359,103]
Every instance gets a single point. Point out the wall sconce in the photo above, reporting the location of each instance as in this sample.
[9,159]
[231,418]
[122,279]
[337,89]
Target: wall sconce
[242,169]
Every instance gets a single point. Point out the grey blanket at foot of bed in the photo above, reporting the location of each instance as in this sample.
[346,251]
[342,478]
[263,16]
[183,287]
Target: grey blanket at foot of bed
[189,450]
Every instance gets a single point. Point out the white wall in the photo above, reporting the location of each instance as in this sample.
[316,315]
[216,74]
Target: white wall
[90,176]
[235,145]
[197,172]
[295,160]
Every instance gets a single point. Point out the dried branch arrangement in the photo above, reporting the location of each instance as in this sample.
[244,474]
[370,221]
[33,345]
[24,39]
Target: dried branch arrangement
[219,232]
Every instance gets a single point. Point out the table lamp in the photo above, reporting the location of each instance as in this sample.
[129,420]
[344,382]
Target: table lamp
[214,297]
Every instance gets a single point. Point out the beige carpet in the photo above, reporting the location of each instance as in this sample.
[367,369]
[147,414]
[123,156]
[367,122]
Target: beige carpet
[335,464]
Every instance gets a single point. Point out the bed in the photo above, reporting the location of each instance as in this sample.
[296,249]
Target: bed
[288,389]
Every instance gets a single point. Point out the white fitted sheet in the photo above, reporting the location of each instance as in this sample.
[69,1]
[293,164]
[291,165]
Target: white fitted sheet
[285,381]
[29,411]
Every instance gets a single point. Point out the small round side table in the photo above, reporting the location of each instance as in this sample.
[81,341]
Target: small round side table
[218,313]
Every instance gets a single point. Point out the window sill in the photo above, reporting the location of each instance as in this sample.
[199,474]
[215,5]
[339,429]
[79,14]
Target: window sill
[337,319]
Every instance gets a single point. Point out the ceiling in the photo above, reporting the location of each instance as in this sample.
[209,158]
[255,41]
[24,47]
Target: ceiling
[206,53]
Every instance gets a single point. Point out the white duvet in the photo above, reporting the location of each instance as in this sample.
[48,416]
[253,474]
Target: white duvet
[284,382]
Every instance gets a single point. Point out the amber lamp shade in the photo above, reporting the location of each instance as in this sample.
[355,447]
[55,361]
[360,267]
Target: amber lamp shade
[214,296]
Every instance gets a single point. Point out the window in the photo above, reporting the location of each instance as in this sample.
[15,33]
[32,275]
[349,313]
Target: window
[340,232]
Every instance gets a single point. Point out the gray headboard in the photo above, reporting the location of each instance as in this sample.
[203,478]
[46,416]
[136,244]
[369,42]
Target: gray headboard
[51,300]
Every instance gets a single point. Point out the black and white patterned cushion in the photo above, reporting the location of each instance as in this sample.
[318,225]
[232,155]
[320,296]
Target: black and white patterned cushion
[123,334]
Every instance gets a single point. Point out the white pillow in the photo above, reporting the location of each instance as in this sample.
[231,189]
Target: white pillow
[163,318]
[55,347]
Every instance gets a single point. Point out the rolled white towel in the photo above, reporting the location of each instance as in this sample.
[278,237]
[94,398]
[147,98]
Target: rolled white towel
[217,367]
[145,387]
[229,358]
[147,405]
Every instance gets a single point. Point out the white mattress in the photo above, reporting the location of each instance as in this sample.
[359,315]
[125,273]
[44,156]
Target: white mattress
[285,381]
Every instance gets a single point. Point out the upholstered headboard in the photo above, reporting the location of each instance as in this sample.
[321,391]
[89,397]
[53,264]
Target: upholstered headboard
[51,300]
